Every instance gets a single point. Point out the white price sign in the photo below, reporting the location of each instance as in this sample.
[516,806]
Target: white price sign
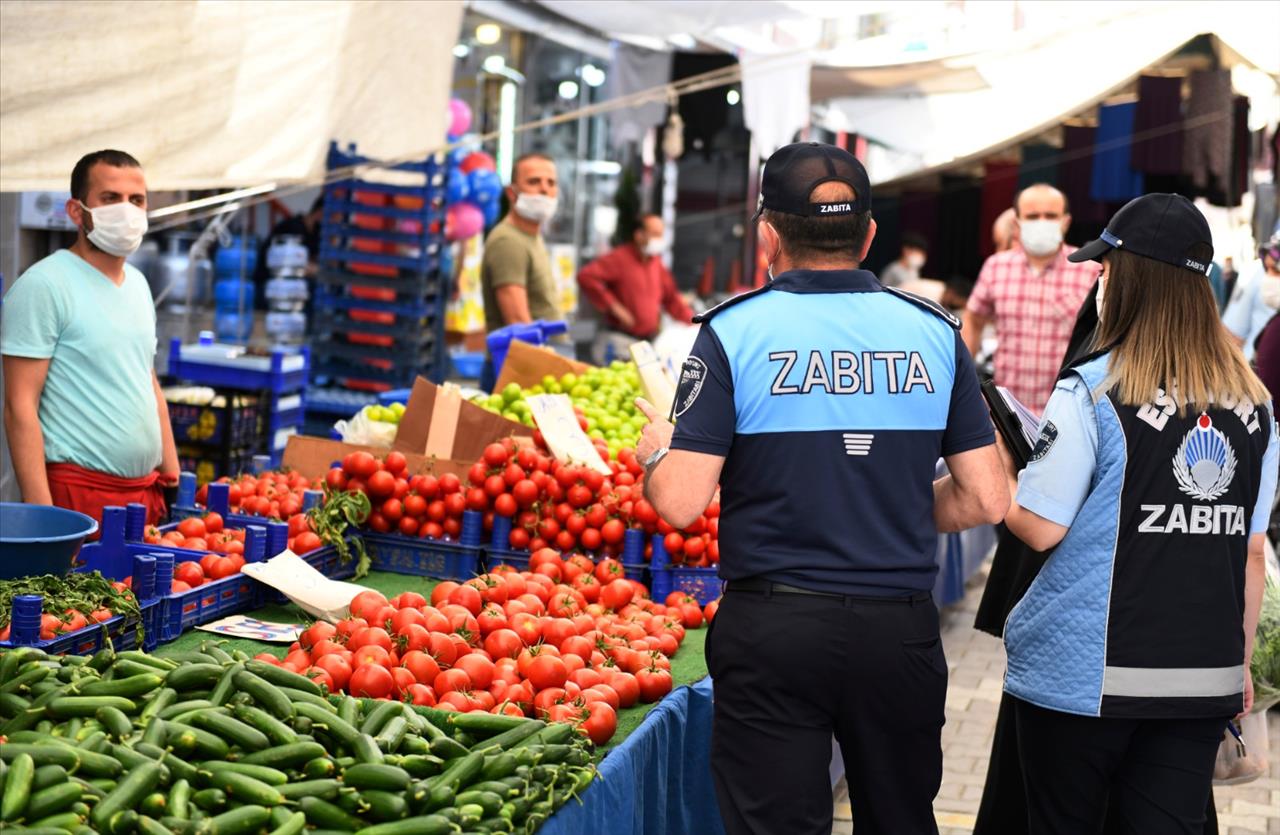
[559,425]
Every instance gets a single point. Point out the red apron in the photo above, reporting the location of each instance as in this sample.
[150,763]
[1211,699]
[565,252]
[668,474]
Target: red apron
[89,491]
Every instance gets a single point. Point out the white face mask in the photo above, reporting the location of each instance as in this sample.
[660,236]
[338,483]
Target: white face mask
[117,227]
[1041,237]
[914,261]
[1269,291]
[654,247]
[538,208]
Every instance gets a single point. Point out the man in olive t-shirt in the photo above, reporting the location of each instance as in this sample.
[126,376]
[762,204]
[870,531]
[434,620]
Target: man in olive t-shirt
[515,274]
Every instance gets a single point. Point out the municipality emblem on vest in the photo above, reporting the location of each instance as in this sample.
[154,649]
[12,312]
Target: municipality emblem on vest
[1204,463]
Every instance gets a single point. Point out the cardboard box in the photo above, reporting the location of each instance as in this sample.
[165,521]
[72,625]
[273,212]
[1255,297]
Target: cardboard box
[527,364]
[438,422]
[312,457]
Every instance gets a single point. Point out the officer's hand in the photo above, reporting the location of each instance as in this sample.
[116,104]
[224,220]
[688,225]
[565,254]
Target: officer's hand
[656,435]
[1006,458]
[1248,696]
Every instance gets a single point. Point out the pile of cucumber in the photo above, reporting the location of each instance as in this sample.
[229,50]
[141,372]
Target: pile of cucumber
[211,743]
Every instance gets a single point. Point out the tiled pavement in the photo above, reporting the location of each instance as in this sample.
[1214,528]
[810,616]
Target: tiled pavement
[977,671]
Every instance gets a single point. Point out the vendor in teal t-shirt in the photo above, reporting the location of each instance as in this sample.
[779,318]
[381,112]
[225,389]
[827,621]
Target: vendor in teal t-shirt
[86,421]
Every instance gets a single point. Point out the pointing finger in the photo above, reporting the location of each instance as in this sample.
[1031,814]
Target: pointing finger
[648,408]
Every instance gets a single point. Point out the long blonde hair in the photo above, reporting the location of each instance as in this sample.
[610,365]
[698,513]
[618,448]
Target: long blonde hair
[1161,324]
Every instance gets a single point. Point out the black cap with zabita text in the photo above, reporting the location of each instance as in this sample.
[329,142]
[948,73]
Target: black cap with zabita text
[1163,227]
[794,171]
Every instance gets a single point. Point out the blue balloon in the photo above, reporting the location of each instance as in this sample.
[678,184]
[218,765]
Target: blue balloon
[457,187]
[457,155]
[485,186]
[490,210]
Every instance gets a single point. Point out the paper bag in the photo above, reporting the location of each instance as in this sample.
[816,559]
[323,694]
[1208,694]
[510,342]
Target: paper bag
[294,577]
[527,364]
[439,422]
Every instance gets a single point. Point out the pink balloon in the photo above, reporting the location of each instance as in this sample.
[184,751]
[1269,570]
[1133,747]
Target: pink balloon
[477,159]
[462,221]
[459,117]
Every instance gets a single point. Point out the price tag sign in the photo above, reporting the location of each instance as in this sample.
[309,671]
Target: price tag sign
[559,425]
[239,626]
[315,593]
[659,388]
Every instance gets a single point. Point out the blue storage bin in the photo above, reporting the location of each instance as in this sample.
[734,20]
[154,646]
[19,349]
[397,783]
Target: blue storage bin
[437,558]
[701,583]
[121,630]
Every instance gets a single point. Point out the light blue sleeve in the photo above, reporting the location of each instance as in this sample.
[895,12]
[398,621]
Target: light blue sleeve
[1056,482]
[32,317]
[1238,315]
[1267,485]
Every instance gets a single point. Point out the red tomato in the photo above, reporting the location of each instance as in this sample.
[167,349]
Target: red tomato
[192,527]
[546,671]
[450,680]
[306,542]
[608,570]
[336,478]
[189,572]
[320,676]
[381,484]
[626,686]
[423,666]
[616,594]
[654,683]
[371,654]
[478,668]
[337,667]
[395,462]
[496,455]
[369,636]
[402,680]
[223,567]
[371,681]
[601,722]
[421,695]
[503,643]
[442,649]
[360,465]
[601,692]
[195,543]
[212,522]
[367,603]
[467,597]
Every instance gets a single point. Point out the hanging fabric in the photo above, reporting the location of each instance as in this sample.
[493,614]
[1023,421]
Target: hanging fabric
[1114,179]
[1157,126]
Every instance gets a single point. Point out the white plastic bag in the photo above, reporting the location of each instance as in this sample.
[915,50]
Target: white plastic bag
[361,430]
[1233,768]
[312,591]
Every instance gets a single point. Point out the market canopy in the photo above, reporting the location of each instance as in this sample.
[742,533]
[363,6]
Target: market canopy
[950,111]
[215,95]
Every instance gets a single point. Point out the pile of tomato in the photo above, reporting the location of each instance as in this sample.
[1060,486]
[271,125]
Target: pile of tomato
[551,504]
[275,495]
[225,547]
[522,643]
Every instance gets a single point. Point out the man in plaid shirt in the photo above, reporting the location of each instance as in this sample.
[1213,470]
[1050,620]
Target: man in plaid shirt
[1031,293]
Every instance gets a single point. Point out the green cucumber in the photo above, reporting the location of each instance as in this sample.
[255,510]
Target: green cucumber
[175,709]
[194,677]
[516,735]
[232,730]
[422,825]
[376,776]
[498,766]
[180,799]
[164,697]
[41,754]
[384,806]
[489,801]
[464,771]
[116,723]
[293,825]
[295,695]
[281,677]
[17,786]
[245,788]
[226,686]
[485,724]
[448,749]
[206,745]
[11,704]
[217,653]
[128,688]
[67,821]
[148,825]
[65,707]
[48,775]
[324,815]
[265,694]
[419,765]
[140,782]
[210,800]
[349,710]
[323,789]
[154,805]
[25,679]
[240,821]
[320,767]
[343,732]
[392,733]
[286,756]
[379,716]
[366,750]
[276,731]
[153,661]
[268,775]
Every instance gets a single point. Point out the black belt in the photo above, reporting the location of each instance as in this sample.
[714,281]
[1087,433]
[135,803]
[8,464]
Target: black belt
[759,585]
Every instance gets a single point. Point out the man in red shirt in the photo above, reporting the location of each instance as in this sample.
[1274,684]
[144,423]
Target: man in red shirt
[631,287]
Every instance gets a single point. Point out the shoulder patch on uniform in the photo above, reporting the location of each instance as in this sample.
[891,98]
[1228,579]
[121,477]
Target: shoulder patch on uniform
[1048,437]
[706,315]
[928,304]
[692,377]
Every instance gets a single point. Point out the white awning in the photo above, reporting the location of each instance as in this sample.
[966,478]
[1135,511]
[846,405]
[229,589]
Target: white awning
[950,111]
[216,94]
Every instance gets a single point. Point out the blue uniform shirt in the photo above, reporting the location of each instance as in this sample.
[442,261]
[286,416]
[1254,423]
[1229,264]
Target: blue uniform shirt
[831,399]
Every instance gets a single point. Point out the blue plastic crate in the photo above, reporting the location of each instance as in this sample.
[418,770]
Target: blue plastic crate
[122,630]
[287,369]
[505,556]
[348,157]
[701,583]
[437,558]
[242,421]
[113,556]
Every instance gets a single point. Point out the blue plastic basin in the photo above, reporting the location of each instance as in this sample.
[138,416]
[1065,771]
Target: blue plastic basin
[39,539]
